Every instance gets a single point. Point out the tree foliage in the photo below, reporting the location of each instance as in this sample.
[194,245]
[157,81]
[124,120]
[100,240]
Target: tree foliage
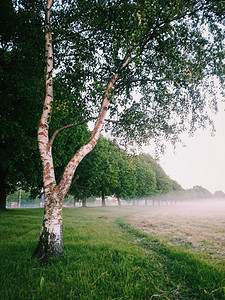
[110,171]
[173,50]
[146,179]
[98,173]
[21,68]
[164,184]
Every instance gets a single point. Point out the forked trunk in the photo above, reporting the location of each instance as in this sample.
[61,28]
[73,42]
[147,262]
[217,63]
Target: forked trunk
[50,242]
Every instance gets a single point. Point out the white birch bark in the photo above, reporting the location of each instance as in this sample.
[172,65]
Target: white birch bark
[51,233]
[50,242]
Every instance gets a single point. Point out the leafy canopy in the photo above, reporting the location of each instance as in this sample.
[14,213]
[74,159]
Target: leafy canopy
[175,50]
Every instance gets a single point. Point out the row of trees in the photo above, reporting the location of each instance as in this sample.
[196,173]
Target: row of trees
[110,171]
[172,192]
[199,192]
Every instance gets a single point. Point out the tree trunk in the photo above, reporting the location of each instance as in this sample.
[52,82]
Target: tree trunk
[50,242]
[2,196]
[51,234]
[3,193]
[103,199]
[119,202]
[84,201]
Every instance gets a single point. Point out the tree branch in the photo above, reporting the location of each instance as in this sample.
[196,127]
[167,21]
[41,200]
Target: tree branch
[62,128]
[113,121]
[77,123]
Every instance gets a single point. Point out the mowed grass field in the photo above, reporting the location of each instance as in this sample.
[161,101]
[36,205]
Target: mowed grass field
[110,253]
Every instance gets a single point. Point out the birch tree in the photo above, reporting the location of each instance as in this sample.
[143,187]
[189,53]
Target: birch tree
[157,47]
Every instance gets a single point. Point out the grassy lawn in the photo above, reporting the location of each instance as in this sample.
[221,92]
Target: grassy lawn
[104,258]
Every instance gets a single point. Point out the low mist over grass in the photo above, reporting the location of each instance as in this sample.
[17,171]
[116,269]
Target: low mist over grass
[155,252]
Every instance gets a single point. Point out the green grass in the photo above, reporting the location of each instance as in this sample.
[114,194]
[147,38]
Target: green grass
[104,258]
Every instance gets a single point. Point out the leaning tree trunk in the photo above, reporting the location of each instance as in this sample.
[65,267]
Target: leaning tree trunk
[50,242]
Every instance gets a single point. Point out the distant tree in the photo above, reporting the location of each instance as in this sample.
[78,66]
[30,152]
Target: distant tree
[145,180]
[84,183]
[219,194]
[176,186]
[106,168]
[98,173]
[22,197]
[198,192]
[127,186]
[164,184]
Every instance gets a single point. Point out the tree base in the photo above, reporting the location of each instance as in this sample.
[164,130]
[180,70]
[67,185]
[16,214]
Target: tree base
[49,245]
[3,208]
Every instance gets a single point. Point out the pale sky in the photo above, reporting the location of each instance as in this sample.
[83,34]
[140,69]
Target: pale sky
[202,161]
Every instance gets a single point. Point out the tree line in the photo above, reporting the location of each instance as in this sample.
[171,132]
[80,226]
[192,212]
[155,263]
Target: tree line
[111,171]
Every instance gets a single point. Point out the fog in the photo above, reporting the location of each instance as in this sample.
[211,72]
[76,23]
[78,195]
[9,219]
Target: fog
[196,225]
[201,208]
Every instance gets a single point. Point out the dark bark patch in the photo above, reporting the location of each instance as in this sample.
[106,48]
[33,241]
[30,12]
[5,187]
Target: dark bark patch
[48,246]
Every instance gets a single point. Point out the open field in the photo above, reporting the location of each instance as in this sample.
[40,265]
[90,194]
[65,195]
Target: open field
[197,227]
[116,253]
